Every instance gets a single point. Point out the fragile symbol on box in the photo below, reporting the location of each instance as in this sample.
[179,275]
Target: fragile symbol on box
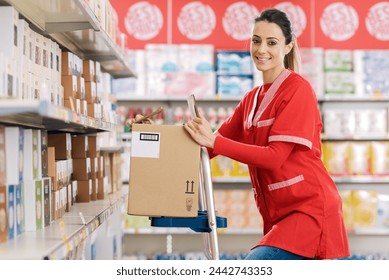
[191,187]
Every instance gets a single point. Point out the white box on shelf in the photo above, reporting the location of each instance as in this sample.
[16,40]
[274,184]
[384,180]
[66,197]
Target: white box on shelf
[14,145]
[9,18]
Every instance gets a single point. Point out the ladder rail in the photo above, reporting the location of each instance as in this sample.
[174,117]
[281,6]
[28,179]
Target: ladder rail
[207,198]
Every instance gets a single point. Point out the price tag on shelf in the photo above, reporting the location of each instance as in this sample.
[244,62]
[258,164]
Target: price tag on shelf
[62,229]
[64,236]
[68,246]
[82,218]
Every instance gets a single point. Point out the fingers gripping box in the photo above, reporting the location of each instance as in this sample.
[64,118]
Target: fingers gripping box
[164,172]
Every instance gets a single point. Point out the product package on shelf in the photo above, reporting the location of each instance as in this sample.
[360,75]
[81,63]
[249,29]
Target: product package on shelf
[234,71]
[181,84]
[339,75]
[355,122]
[125,88]
[312,65]
[359,208]
[371,69]
[239,208]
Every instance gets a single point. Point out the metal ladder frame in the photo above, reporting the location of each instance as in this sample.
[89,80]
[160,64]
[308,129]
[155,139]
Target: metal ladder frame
[207,203]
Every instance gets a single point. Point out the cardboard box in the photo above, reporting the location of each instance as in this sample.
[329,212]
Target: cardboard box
[69,189]
[55,211]
[80,146]
[52,168]
[84,190]
[69,84]
[93,147]
[101,191]
[67,66]
[82,169]
[100,167]
[164,172]
[63,145]
[74,191]
[90,92]
[89,71]
[93,195]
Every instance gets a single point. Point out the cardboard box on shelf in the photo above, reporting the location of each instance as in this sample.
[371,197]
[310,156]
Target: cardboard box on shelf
[80,146]
[84,190]
[63,145]
[82,168]
[164,172]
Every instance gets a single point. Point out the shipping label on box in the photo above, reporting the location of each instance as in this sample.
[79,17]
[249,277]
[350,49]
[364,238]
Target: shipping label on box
[164,172]
[145,144]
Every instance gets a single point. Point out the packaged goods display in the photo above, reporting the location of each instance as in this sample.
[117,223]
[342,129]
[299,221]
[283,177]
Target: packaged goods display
[55,102]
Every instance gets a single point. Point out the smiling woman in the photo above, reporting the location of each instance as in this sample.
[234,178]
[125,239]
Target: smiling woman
[273,46]
[275,130]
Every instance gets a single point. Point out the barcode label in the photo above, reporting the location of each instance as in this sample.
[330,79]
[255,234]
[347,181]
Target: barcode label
[145,144]
[149,137]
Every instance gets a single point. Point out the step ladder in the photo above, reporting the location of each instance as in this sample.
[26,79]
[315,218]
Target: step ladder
[206,222]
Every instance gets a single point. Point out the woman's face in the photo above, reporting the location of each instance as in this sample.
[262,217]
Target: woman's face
[268,49]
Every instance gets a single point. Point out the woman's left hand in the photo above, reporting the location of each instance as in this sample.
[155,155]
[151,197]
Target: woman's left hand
[201,131]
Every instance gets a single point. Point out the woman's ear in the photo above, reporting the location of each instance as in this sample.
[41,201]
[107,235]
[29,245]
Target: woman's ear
[289,47]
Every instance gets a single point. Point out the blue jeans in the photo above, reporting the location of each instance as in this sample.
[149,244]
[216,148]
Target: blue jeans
[272,253]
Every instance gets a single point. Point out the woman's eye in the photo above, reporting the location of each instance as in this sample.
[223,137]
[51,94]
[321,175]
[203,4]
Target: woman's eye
[272,43]
[255,41]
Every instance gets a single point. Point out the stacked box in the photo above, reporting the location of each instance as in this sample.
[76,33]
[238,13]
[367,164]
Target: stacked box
[339,75]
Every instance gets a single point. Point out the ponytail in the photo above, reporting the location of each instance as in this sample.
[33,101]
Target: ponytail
[293,60]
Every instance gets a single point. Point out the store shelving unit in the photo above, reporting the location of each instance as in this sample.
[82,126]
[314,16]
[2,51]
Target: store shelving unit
[75,27]
[44,115]
[65,236]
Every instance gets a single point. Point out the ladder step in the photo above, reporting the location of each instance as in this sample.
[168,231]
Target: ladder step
[197,224]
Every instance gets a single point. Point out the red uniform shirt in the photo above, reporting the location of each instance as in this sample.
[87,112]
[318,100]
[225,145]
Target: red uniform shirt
[298,200]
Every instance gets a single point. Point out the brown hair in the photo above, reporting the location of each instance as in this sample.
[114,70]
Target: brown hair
[292,59]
